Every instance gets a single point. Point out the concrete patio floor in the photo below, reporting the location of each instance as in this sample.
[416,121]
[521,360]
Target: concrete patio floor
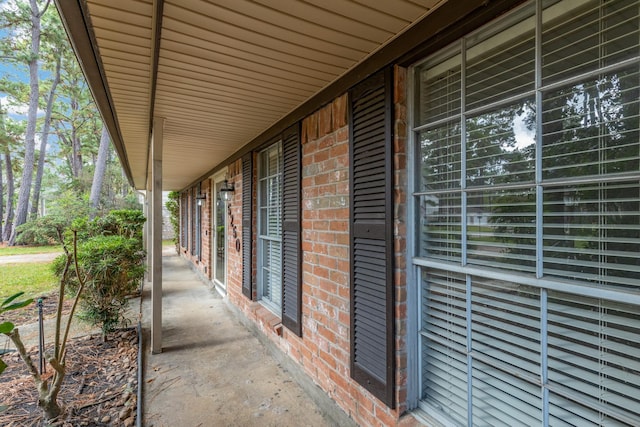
[213,371]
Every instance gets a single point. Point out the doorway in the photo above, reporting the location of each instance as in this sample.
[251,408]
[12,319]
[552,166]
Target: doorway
[219,253]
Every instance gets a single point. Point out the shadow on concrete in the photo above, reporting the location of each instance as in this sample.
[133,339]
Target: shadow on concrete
[212,370]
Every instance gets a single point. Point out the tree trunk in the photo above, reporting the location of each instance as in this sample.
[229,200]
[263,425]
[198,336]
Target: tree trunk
[43,143]
[50,408]
[77,155]
[32,115]
[8,224]
[76,144]
[98,175]
[1,201]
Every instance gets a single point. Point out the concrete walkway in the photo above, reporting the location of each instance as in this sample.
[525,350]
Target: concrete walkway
[213,371]
[19,259]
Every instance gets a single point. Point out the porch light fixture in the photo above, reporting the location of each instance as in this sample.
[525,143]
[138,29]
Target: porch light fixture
[200,198]
[226,191]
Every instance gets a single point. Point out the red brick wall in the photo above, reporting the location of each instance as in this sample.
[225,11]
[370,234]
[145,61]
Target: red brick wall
[234,257]
[204,263]
[323,352]
[400,231]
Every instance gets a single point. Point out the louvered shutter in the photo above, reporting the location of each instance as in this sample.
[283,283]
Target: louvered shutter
[198,209]
[185,219]
[192,240]
[291,256]
[371,171]
[247,197]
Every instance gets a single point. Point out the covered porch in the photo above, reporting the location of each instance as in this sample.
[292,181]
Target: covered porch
[215,369]
[188,87]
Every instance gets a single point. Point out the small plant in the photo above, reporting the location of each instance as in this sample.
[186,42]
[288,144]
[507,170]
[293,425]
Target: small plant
[173,206]
[7,327]
[48,390]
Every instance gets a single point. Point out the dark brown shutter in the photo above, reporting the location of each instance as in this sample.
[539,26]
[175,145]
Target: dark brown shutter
[291,254]
[247,197]
[192,240]
[185,219]
[371,171]
[198,208]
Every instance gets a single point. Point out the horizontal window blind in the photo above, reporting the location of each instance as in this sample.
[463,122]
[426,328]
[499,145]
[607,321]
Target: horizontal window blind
[527,148]
[270,226]
[444,375]
[594,361]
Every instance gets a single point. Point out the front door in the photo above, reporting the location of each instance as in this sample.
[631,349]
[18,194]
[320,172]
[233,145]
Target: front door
[219,253]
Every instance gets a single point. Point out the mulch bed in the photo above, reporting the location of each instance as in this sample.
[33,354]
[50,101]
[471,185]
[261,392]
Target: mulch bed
[29,314]
[99,389]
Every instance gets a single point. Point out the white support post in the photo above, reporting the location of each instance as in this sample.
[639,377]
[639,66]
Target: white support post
[146,234]
[156,235]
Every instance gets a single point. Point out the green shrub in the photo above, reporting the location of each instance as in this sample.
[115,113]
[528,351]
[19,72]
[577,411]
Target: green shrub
[111,260]
[114,267]
[123,222]
[41,231]
[173,206]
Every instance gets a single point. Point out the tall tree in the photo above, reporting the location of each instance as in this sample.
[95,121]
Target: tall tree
[10,133]
[3,136]
[76,122]
[35,15]
[8,223]
[44,138]
[1,200]
[100,168]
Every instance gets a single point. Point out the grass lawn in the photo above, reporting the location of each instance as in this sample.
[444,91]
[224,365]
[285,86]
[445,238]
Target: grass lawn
[25,250]
[33,279]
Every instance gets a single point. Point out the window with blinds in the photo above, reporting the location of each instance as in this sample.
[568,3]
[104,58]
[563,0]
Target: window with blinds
[527,179]
[270,227]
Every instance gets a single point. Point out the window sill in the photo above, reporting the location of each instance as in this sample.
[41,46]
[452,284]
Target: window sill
[268,320]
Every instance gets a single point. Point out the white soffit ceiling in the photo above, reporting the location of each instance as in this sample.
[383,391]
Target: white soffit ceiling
[229,69]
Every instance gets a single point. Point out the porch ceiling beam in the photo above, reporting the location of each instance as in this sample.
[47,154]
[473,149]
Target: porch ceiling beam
[156,36]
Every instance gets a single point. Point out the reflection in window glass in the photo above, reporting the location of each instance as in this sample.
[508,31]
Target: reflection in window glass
[440,158]
[495,155]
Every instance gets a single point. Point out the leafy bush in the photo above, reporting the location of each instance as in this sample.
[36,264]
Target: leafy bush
[123,222]
[111,260]
[173,206]
[114,267]
[44,230]
[40,231]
